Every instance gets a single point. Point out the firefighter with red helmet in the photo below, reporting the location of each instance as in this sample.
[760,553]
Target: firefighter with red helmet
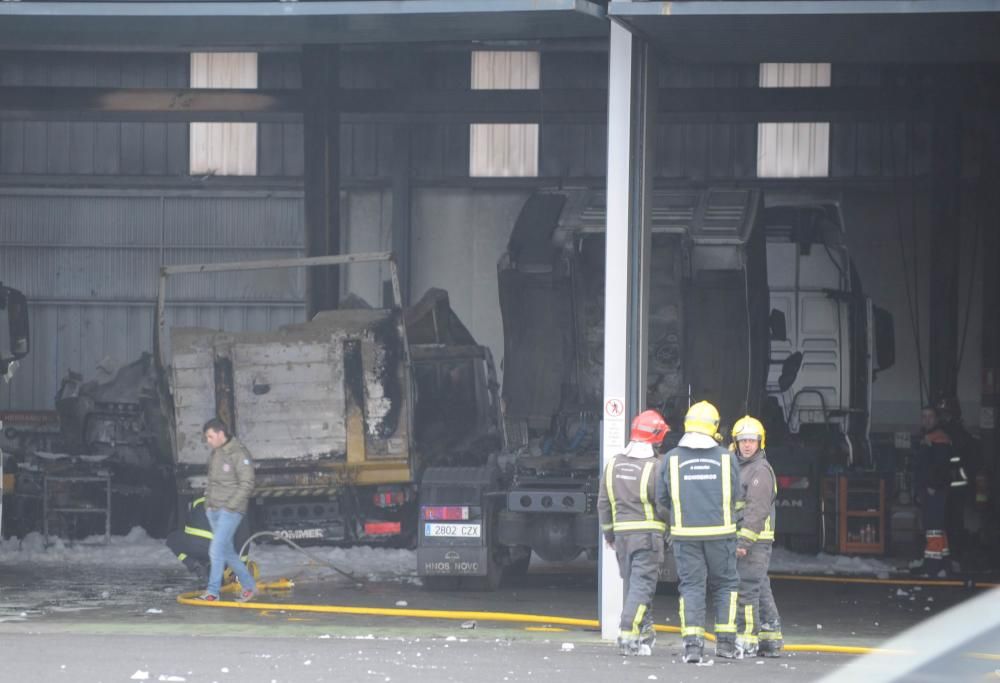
[633,526]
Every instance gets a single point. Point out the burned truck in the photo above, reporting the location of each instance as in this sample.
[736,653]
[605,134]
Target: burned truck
[797,348]
[338,411]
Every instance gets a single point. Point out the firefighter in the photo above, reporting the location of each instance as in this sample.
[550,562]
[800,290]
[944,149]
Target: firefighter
[699,483]
[633,526]
[934,485]
[190,545]
[964,468]
[758,624]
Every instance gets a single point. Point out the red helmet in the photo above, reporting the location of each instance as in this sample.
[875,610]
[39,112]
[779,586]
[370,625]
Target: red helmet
[649,427]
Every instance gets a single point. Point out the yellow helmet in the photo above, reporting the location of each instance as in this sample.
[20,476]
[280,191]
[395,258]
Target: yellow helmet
[702,418]
[749,428]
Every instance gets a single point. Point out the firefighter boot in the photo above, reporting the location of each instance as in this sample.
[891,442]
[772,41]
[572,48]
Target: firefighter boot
[628,645]
[771,640]
[746,646]
[693,650]
[647,638]
[725,646]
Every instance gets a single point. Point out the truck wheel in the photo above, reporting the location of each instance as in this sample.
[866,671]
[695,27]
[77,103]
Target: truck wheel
[490,582]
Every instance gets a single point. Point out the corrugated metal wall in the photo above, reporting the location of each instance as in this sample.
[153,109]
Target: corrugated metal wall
[87,259]
[88,262]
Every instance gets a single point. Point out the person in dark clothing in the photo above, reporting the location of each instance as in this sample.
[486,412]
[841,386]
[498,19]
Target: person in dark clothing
[963,470]
[758,623]
[933,487]
[632,525]
[191,543]
[700,484]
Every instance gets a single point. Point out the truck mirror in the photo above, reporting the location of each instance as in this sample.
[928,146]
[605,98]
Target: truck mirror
[779,329]
[14,339]
[789,370]
[885,339]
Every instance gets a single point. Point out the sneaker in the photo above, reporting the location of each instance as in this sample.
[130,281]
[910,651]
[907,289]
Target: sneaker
[692,653]
[725,648]
[246,595]
[208,597]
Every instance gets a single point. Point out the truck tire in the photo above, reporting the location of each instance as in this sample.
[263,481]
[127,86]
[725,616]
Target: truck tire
[490,582]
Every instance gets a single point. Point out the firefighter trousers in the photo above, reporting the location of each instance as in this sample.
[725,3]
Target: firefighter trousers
[707,567]
[756,602]
[640,555]
[191,550]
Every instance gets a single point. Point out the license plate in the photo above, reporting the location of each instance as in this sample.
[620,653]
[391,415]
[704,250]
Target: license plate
[452,530]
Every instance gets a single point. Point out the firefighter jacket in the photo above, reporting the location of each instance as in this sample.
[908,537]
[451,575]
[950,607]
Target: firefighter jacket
[700,483]
[197,520]
[230,477]
[941,465]
[627,501]
[756,511]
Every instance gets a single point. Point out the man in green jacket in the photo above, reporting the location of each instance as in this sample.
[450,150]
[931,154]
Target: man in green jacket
[230,483]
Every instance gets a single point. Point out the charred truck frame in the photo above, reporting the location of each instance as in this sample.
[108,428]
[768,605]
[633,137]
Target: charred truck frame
[753,306]
[328,408]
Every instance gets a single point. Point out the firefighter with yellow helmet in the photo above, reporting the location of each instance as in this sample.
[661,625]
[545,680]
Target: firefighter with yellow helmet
[700,484]
[757,619]
[632,525]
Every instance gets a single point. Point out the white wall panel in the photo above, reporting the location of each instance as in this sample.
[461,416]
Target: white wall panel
[504,149]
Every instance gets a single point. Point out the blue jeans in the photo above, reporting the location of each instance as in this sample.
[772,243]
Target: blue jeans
[221,552]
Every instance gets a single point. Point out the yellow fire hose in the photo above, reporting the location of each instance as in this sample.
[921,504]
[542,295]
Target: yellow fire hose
[463,615]
[551,620]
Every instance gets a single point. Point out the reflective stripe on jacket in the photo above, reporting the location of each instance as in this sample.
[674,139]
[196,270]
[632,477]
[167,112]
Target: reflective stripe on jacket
[760,489]
[701,486]
[626,501]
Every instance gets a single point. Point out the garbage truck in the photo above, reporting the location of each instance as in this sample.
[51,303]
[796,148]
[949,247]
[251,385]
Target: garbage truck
[754,306]
[341,413]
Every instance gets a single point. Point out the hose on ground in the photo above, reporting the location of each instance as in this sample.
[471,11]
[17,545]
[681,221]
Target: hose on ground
[244,552]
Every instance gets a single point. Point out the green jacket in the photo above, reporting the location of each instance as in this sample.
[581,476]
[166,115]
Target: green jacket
[230,477]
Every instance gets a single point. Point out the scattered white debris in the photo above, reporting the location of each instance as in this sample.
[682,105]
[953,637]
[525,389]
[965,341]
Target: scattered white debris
[325,636]
[942,574]
[918,588]
[706,662]
[154,610]
[105,595]
[567,647]
[786,561]
[468,624]
[876,623]
[140,675]
[401,603]
[651,677]
[171,679]
[927,609]
[930,599]
[900,593]
[819,627]
[307,662]
[224,669]
[758,662]
[451,639]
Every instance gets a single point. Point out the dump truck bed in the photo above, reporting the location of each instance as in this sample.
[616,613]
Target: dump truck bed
[333,389]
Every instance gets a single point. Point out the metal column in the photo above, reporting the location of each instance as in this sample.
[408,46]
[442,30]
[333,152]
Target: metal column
[631,94]
[321,128]
[406,67]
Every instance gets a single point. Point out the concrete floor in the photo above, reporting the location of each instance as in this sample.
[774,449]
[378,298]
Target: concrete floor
[110,624]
